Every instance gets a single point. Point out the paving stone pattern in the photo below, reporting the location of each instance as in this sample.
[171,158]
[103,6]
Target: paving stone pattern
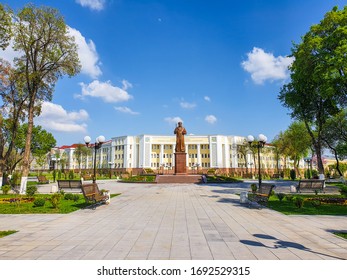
[173,221]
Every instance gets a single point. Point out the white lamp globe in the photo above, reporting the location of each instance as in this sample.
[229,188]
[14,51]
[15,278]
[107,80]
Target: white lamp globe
[87,139]
[262,138]
[250,138]
[100,139]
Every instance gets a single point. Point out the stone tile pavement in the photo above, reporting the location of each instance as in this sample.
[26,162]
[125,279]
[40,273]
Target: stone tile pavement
[183,221]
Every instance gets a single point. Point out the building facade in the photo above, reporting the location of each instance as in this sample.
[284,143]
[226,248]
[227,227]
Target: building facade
[156,152]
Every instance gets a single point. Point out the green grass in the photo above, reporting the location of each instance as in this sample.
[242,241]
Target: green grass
[140,178]
[65,206]
[4,233]
[341,234]
[289,208]
[220,179]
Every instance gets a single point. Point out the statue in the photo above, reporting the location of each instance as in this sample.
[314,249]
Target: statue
[180,131]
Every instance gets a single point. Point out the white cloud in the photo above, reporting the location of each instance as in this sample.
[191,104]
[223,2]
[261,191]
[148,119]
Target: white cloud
[97,5]
[173,120]
[265,66]
[207,98]
[104,90]
[211,119]
[126,110]
[87,54]
[187,105]
[126,84]
[55,117]
[9,53]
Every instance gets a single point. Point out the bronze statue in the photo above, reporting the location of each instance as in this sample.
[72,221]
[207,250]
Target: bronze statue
[180,131]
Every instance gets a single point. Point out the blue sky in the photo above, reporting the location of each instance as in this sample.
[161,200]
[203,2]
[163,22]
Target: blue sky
[216,65]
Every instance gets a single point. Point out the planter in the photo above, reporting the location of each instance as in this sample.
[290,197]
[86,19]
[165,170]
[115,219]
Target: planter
[108,194]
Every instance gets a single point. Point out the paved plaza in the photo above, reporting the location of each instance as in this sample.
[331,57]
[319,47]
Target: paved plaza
[173,221]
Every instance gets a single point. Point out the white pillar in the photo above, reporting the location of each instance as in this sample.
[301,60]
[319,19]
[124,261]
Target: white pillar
[161,154]
[199,155]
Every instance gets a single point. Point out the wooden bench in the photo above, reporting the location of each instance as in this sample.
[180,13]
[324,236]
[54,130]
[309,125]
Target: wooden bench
[310,185]
[92,193]
[73,185]
[42,179]
[262,194]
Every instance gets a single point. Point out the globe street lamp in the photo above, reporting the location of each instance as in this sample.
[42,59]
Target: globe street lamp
[259,143]
[97,145]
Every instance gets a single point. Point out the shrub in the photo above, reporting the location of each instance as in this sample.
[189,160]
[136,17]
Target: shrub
[299,202]
[292,174]
[289,198]
[314,174]
[281,196]
[343,191]
[68,196]
[71,175]
[55,200]
[316,203]
[15,179]
[254,188]
[54,175]
[39,202]
[5,189]
[59,174]
[31,190]
[75,197]
[308,174]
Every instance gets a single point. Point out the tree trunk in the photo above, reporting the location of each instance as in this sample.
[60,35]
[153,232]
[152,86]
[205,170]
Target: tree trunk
[27,150]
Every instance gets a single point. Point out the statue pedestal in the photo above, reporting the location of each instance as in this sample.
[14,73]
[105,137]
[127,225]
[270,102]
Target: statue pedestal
[180,163]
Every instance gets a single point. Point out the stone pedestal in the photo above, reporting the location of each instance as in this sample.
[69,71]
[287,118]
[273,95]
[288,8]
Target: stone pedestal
[180,163]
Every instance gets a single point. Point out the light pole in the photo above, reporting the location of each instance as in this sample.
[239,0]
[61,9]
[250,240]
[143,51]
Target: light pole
[308,161]
[97,145]
[259,143]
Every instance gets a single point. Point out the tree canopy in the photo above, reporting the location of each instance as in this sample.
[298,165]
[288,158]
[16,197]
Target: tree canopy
[318,85]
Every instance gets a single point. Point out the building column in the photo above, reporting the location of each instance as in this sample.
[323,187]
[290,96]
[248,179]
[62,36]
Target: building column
[161,154]
[187,155]
[199,154]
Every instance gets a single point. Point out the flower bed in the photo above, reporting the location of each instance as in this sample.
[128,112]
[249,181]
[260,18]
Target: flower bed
[17,199]
[329,200]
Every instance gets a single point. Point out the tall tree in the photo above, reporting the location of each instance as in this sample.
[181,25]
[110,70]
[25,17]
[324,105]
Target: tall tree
[298,142]
[318,86]
[49,52]
[11,112]
[335,137]
[5,27]
[80,151]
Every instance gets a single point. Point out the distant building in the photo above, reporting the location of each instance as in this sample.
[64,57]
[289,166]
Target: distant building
[135,153]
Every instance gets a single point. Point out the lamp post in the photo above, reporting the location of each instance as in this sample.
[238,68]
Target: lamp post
[97,145]
[259,143]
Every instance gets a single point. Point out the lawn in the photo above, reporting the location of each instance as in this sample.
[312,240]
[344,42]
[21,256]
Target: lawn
[341,234]
[4,233]
[23,205]
[310,207]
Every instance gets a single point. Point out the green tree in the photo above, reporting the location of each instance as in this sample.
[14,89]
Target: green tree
[11,113]
[49,52]
[5,27]
[335,137]
[80,152]
[318,85]
[298,142]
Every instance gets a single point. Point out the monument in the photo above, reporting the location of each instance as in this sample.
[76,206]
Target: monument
[181,174]
[180,150]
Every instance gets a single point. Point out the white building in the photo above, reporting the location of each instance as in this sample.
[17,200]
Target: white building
[156,152]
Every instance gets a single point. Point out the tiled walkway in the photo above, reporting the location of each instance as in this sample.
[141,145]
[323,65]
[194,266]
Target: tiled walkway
[172,222]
